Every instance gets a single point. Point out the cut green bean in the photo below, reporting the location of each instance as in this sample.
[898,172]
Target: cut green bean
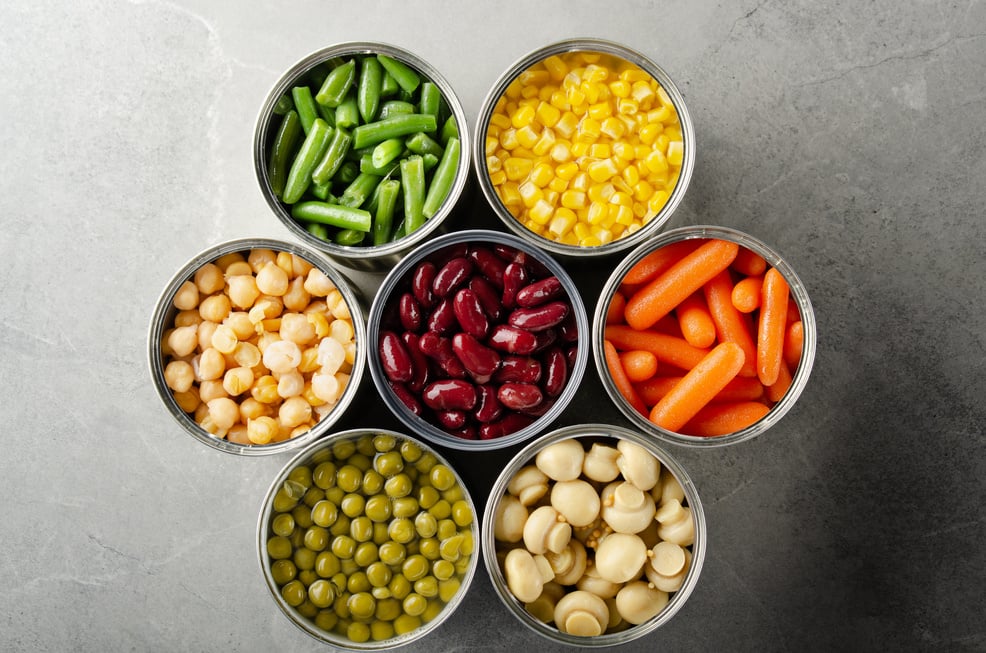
[387,151]
[311,152]
[431,99]
[383,218]
[368,91]
[337,84]
[430,161]
[388,85]
[305,105]
[359,190]
[366,165]
[395,107]
[407,78]
[333,215]
[321,191]
[441,181]
[348,171]
[283,105]
[328,114]
[347,113]
[317,230]
[349,237]
[280,153]
[413,183]
[391,127]
[422,143]
[450,128]
[334,155]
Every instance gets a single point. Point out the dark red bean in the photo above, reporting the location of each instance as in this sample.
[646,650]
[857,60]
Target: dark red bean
[442,320]
[418,359]
[488,407]
[571,355]
[488,296]
[540,409]
[446,254]
[556,371]
[467,432]
[410,313]
[509,423]
[545,338]
[568,329]
[514,278]
[540,317]
[394,357]
[452,275]
[421,282]
[406,397]
[512,340]
[479,360]
[518,369]
[449,394]
[489,265]
[530,263]
[519,396]
[540,292]
[451,420]
[469,313]
[439,349]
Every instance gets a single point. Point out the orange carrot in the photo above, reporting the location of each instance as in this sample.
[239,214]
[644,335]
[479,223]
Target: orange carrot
[698,386]
[740,388]
[620,379]
[614,314]
[746,294]
[770,332]
[723,419]
[695,321]
[639,365]
[663,293]
[731,325]
[794,340]
[656,387]
[668,349]
[793,314]
[777,391]
[669,325]
[749,263]
[656,262]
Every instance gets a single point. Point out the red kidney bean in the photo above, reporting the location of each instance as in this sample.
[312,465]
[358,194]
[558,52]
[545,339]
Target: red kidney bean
[540,317]
[469,313]
[467,432]
[406,397]
[442,320]
[409,311]
[488,407]
[452,275]
[446,254]
[545,338]
[394,358]
[540,292]
[509,423]
[511,255]
[514,278]
[418,359]
[439,349]
[571,355]
[540,409]
[449,394]
[518,369]
[421,282]
[489,265]
[479,360]
[519,396]
[568,329]
[556,371]
[488,296]
[512,340]
[451,420]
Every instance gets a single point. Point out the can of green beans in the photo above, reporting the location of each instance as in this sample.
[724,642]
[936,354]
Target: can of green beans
[361,150]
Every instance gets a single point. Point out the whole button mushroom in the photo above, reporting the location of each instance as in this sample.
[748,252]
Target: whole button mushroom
[543,607]
[638,465]
[577,501]
[637,602]
[676,523]
[529,484]
[570,564]
[581,613]
[667,488]
[561,461]
[526,574]
[546,530]
[626,508]
[600,463]
[668,566]
[620,557]
[509,519]
[592,582]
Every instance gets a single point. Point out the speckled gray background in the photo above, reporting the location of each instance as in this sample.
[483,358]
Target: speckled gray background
[849,136]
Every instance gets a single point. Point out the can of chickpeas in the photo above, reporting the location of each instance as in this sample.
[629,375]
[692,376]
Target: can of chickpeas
[256,346]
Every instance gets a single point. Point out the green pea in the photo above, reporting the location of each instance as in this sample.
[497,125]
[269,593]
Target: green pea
[321,593]
[362,605]
[358,632]
[461,513]
[425,524]
[361,529]
[410,451]
[343,449]
[349,478]
[426,587]
[294,489]
[349,567]
[321,456]
[381,630]
[324,513]
[283,525]
[401,530]
[283,571]
[297,537]
[398,486]
[448,588]
[442,569]
[358,583]
[414,604]
[343,547]
[380,593]
[462,565]
[446,529]
[389,464]
[327,564]
[302,515]
[307,609]
[399,587]
[392,553]
[307,577]
[383,442]
[304,558]
[324,475]
[415,567]
[454,494]
[340,526]
[279,547]
[426,462]
[441,510]
[335,494]
[366,554]
[430,548]
[441,477]
[339,581]
[361,461]
[352,505]
[405,507]
[283,502]
[316,538]
[378,574]
[326,619]
[428,497]
[313,496]
[406,624]
[468,544]
[388,609]
[372,482]
[301,475]
[378,508]
[342,626]
[365,445]
[380,533]
[294,593]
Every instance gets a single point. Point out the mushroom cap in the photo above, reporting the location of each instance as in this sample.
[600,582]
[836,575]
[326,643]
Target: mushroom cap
[529,484]
[599,463]
[562,460]
[626,508]
[576,500]
[637,602]
[546,530]
[638,465]
[509,519]
[581,613]
[620,557]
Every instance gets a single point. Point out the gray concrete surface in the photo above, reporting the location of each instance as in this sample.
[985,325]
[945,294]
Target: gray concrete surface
[849,136]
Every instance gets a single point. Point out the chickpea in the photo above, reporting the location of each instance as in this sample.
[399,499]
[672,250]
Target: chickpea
[238,380]
[300,267]
[246,354]
[294,411]
[215,308]
[243,291]
[262,430]
[260,257]
[250,409]
[188,318]
[297,328]
[209,279]
[297,298]
[209,390]
[239,268]
[224,339]
[290,384]
[224,412]
[224,261]
[239,322]
[205,333]
[179,376]
[186,297]
[211,364]
[183,340]
[318,283]
[282,356]
[272,280]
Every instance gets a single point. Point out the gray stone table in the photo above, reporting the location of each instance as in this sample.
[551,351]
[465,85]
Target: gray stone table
[849,136]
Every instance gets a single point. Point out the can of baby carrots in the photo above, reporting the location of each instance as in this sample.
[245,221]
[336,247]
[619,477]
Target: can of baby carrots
[704,336]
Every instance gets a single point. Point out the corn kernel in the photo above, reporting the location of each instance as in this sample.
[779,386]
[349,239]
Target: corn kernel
[649,132]
[600,111]
[642,92]
[534,77]
[657,201]
[579,182]
[575,95]
[588,130]
[675,152]
[665,98]
[527,137]
[547,114]
[619,88]
[500,121]
[582,230]
[642,190]
[592,92]
[580,148]
[597,213]
[656,161]
[493,163]
[523,117]
[602,170]
[508,139]
[559,100]
[529,193]
[623,150]
[630,175]
[590,241]
[567,170]
[563,221]
[569,239]
[634,75]
[530,92]
[604,236]
[541,174]
[509,194]
[517,168]
[639,210]
[594,73]
[545,93]
[624,214]
[555,67]
[600,150]
[573,199]
[513,89]
[612,127]
[620,198]
[567,124]
[551,196]
[545,142]
[627,106]
[541,212]
[659,115]
[661,142]
[497,178]
[557,184]
[600,192]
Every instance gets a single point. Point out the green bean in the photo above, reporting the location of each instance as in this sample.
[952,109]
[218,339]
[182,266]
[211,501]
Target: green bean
[349,237]
[348,171]
[429,161]
[396,107]
[321,191]
[413,182]
[359,190]
[283,105]
[333,215]
[334,155]
[422,143]
[368,91]
[450,129]
[312,149]
[391,127]
[386,151]
[441,181]
[388,85]
[347,112]
[284,143]
[337,84]
[305,105]
[406,76]
[431,98]
[366,165]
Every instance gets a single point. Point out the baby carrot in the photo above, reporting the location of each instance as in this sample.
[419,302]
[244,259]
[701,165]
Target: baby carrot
[669,325]
[794,339]
[746,294]
[777,391]
[639,365]
[740,388]
[668,349]
[723,419]
[695,321]
[770,331]
[620,379]
[663,293]
[614,314]
[731,325]
[658,261]
[749,263]
[698,386]
[653,389]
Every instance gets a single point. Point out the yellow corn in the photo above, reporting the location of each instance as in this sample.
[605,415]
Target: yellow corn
[557,184]
[523,117]
[513,89]
[508,139]
[541,212]
[545,142]
[659,115]
[642,190]
[634,75]
[589,130]
[493,163]
[567,124]
[649,132]
[560,152]
[600,150]
[498,177]
[529,92]
[630,175]
[563,221]
[542,174]
[620,88]
[675,153]
[612,127]
[600,111]
[656,161]
[527,137]
[559,100]
[517,168]
[556,67]
[500,121]
[602,170]
[600,192]
[579,182]
[627,106]
[597,212]
[642,92]
[657,201]
[567,171]
[509,194]
[573,199]
[530,194]
[534,77]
